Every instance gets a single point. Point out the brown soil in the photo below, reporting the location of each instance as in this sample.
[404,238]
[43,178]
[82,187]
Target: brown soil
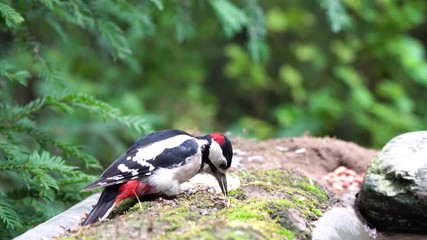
[313,157]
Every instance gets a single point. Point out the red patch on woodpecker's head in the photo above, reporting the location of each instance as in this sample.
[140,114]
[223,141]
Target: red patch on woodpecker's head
[218,137]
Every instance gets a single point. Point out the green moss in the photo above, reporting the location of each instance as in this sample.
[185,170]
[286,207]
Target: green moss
[237,194]
[288,218]
[287,234]
[313,189]
[222,231]
[194,232]
[255,214]
[270,176]
[249,210]
[317,212]
[176,217]
[268,186]
[263,208]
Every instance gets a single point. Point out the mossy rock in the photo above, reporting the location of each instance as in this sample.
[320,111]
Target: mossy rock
[270,204]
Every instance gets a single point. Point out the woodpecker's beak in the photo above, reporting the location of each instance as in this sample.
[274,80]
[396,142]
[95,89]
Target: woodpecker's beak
[222,181]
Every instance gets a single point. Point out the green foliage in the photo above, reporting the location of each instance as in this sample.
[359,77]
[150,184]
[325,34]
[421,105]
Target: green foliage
[364,84]
[40,172]
[8,216]
[60,63]
[33,161]
[251,18]
[232,18]
[12,18]
[336,13]
[113,35]
[8,72]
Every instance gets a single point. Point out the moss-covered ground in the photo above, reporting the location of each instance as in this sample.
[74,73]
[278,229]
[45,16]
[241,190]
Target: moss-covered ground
[270,204]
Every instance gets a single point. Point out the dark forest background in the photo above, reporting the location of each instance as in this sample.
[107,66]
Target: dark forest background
[81,80]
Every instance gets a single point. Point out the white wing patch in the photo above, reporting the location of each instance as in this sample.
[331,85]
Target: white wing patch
[115,178]
[124,169]
[102,183]
[150,152]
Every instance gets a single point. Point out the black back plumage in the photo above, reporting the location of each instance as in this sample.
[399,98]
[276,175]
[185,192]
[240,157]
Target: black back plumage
[155,137]
[169,157]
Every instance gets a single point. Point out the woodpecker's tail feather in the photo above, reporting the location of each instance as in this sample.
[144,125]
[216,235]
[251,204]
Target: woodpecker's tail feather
[104,206]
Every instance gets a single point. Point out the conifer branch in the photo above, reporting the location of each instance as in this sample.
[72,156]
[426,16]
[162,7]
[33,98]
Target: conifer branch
[9,218]
[337,14]
[12,18]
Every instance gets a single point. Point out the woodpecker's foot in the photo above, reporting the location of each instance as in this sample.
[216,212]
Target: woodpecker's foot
[83,218]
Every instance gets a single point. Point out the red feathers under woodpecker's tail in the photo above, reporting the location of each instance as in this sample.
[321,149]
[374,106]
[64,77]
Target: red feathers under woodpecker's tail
[104,206]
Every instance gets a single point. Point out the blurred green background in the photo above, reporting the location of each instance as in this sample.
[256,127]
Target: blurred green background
[81,80]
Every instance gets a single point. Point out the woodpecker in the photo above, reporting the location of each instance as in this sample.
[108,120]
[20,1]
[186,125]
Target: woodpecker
[157,164]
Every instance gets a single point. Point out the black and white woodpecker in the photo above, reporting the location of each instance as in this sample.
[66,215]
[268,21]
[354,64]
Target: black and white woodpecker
[157,164]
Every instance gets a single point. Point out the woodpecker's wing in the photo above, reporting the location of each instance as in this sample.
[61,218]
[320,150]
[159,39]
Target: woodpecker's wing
[163,149]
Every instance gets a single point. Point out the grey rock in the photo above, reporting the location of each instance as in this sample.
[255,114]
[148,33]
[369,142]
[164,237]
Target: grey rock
[394,191]
[340,223]
[61,223]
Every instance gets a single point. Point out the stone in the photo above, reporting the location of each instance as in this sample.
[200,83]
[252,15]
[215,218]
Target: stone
[60,224]
[203,181]
[393,194]
[340,223]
